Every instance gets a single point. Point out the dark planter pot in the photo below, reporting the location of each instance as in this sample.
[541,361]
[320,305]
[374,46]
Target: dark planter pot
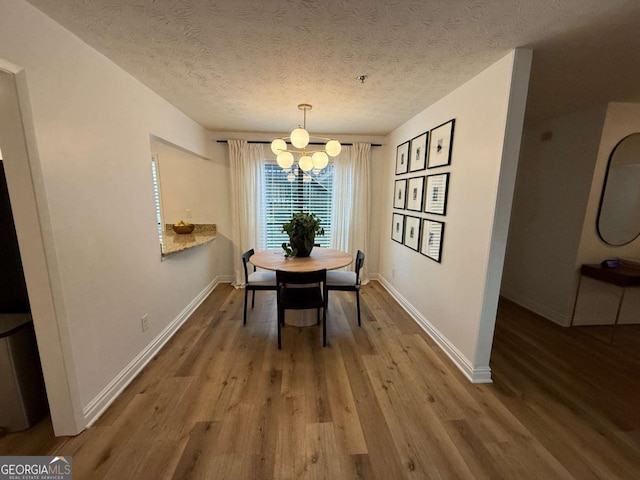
[299,244]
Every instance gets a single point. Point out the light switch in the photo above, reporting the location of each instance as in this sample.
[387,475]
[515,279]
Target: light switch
[188,212]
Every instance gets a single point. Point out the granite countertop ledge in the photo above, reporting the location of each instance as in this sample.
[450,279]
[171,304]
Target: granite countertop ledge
[173,242]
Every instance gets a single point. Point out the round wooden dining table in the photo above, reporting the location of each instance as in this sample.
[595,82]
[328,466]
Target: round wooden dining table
[320,258]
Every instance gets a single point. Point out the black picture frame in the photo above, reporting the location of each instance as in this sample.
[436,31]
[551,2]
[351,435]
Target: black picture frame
[397,227]
[400,194]
[441,145]
[432,239]
[415,194]
[418,149]
[402,158]
[412,232]
[436,194]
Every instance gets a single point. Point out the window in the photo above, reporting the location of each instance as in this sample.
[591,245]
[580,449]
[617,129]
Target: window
[307,193]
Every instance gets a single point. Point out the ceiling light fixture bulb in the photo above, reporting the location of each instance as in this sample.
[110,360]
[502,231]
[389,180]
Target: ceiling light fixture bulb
[299,138]
[320,160]
[285,160]
[333,148]
[305,163]
[278,145]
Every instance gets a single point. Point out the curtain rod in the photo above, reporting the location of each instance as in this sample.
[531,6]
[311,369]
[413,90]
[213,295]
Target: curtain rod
[265,142]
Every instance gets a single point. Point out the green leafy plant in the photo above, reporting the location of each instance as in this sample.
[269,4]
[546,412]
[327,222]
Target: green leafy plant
[302,230]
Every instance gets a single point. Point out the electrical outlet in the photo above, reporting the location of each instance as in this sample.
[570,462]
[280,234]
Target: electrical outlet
[393,273]
[188,213]
[144,322]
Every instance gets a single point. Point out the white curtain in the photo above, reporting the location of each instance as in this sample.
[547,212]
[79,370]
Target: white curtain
[247,190]
[350,214]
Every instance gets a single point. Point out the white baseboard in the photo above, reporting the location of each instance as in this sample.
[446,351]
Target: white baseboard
[107,396]
[475,375]
[226,278]
[535,307]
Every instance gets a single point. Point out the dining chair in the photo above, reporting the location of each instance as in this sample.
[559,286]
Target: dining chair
[255,281]
[302,291]
[347,281]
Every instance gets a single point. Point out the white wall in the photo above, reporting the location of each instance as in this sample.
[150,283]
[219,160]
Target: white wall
[552,190]
[88,125]
[185,184]
[456,300]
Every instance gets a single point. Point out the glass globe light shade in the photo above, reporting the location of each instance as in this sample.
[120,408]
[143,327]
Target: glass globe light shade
[299,138]
[333,148]
[306,178]
[320,160]
[305,163]
[291,177]
[278,145]
[285,160]
[315,171]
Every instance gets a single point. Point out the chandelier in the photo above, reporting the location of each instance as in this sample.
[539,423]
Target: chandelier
[309,160]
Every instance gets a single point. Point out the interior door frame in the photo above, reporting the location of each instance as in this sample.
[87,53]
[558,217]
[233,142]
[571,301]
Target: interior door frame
[37,249]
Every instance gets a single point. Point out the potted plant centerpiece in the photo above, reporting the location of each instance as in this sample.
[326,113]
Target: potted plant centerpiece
[302,230]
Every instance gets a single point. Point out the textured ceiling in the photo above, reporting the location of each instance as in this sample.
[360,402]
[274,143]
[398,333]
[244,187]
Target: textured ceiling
[241,65]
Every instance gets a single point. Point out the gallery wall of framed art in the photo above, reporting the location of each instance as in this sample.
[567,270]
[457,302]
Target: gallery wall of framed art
[421,190]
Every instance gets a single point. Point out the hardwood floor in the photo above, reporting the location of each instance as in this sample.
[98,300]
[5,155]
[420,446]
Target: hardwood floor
[379,402]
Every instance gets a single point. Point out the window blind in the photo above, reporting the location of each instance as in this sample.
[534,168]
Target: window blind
[156,196]
[307,193]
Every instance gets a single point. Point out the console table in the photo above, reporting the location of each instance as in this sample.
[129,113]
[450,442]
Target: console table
[621,276]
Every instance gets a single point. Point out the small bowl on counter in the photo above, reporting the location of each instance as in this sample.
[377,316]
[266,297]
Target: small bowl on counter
[182,229]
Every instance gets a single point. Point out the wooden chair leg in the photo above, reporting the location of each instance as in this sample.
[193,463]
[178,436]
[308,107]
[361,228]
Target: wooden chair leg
[324,326]
[358,306]
[244,318]
[280,314]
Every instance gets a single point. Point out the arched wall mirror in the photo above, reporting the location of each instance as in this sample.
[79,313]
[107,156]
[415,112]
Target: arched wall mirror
[619,214]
